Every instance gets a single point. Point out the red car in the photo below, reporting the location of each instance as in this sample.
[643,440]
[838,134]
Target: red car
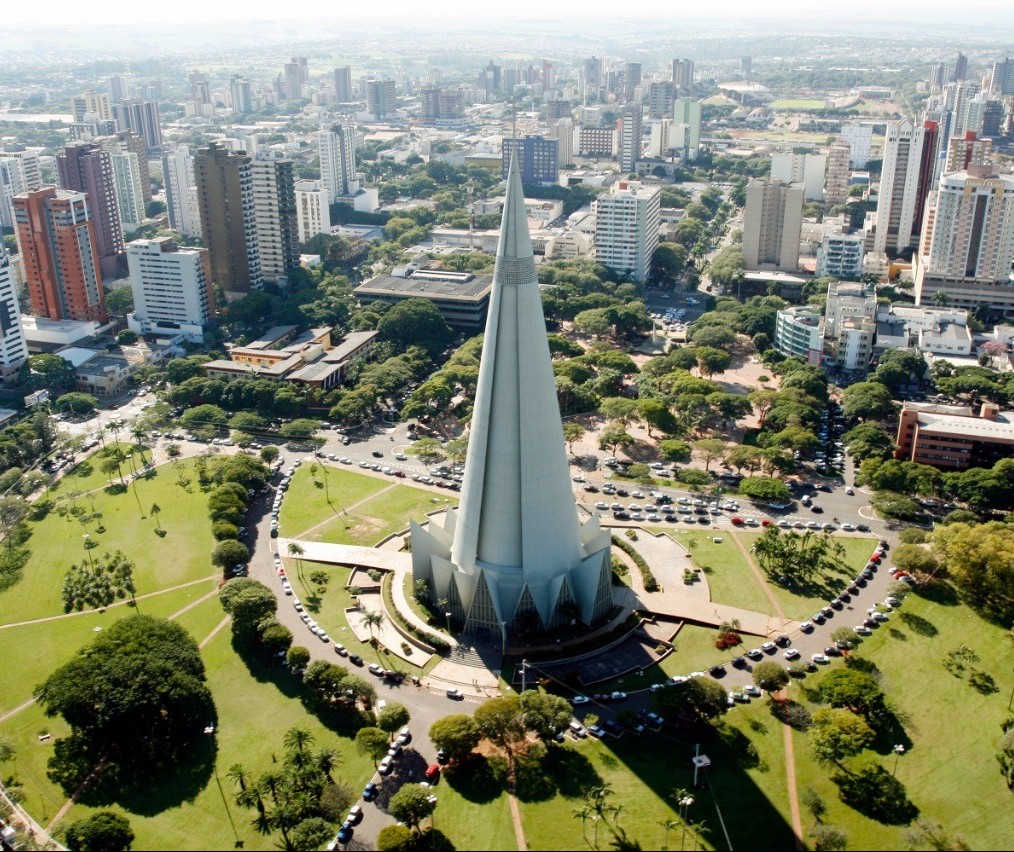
[738,521]
[766,522]
[432,772]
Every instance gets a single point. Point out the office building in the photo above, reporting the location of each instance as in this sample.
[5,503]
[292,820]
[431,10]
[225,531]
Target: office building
[172,289]
[91,106]
[685,136]
[661,138]
[313,209]
[953,437]
[20,171]
[537,158]
[960,68]
[807,169]
[343,84]
[275,216]
[592,70]
[200,91]
[596,141]
[837,174]
[683,74]
[772,224]
[659,99]
[290,85]
[57,240]
[1002,79]
[241,94]
[629,132]
[441,106]
[118,91]
[840,256]
[940,331]
[336,148]
[850,325]
[87,167]
[860,139]
[141,117]
[627,220]
[562,131]
[181,191]
[225,202]
[513,556]
[967,150]
[13,346]
[631,79]
[557,109]
[461,297]
[897,205]
[129,198]
[381,99]
[967,247]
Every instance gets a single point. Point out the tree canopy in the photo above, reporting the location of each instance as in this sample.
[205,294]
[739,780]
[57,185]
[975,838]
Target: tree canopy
[416,322]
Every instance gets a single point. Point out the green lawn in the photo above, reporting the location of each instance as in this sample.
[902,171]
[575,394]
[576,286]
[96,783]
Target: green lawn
[305,504]
[950,729]
[160,562]
[87,474]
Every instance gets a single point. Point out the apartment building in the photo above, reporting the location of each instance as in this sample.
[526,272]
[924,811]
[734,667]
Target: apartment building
[627,221]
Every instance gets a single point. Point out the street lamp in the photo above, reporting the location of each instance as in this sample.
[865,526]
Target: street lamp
[447,615]
[899,750]
[684,803]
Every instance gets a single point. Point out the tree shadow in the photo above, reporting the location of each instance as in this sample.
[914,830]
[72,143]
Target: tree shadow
[572,772]
[435,839]
[115,489]
[877,794]
[982,682]
[918,624]
[473,779]
[895,633]
[938,591]
[791,713]
[741,747]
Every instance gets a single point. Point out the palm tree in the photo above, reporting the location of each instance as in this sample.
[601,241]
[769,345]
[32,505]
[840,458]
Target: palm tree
[668,825]
[238,775]
[155,512]
[297,739]
[326,760]
[373,619]
[583,813]
[296,551]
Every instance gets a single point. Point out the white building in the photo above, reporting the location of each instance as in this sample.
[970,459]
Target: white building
[172,289]
[836,177]
[337,149]
[899,187]
[685,136]
[129,198]
[840,256]
[799,334]
[19,172]
[13,347]
[807,169]
[563,132]
[313,212]
[627,220]
[275,215]
[772,224]
[940,331]
[630,137]
[860,138]
[181,191]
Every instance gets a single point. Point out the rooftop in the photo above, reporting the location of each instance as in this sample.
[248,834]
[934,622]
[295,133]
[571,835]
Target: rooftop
[429,283]
[957,420]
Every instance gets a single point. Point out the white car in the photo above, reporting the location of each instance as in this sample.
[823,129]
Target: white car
[820,658]
[790,653]
[401,457]
[602,506]
[848,527]
[752,691]
[580,699]
[862,630]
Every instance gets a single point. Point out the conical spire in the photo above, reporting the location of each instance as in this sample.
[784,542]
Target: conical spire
[515,241]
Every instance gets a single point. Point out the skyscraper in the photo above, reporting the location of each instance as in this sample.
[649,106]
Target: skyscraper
[513,556]
[275,218]
[225,201]
[141,117]
[899,187]
[343,84]
[631,79]
[967,150]
[960,68]
[683,74]
[87,167]
[313,211]
[630,137]
[337,150]
[627,220]
[172,289]
[181,191]
[807,169]
[1002,79]
[659,100]
[291,85]
[380,98]
[860,138]
[124,142]
[118,88]
[127,178]
[20,171]
[537,158]
[57,240]
[242,95]
[13,347]
[772,222]
[836,177]
[685,136]
[563,132]
[93,105]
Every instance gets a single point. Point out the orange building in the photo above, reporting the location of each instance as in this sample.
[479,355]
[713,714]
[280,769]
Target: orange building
[56,237]
[954,437]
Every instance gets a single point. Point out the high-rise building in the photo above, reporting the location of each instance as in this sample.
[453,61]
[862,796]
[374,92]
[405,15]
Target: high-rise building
[959,97]
[548,75]
[629,131]
[141,117]
[967,246]
[200,89]
[840,256]
[746,66]
[967,150]
[685,136]
[172,289]
[13,347]
[772,224]
[557,108]
[683,74]
[627,219]
[513,556]
[441,106]
[1002,79]
[592,72]
[181,191]
[92,106]
[57,240]
[899,187]
[118,88]
[659,99]
[128,142]
[596,141]
[241,94]
[836,177]
[226,203]
[275,216]
[343,84]
[494,73]
[661,138]
[291,84]
[313,210]
[20,171]
[562,131]
[807,169]
[337,150]
[381,98]
[938,76]
[129,200]
[87,167]
[631,79]
[860,139]
[960,68]
[537,158]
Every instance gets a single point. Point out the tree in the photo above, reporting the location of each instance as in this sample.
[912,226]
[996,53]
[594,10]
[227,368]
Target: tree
[728,268]
[710,449]
[299,429]
[134,696]
[416,322]
[393,718]
[457,735]
[572,432]
[613,437]
[699,697]
[797,557]
[372,742]
[76,403]
[838,733]
[428,450]
[853,690]
[711,360]
[47,372]
[311,833]
[656,415]
[827,838]
[98,583]
[500,721]
[869,441]
[667,263]
[204,415]
[867,401]
[269,454]
[594,322]
[230,552]
[120,302]
[297,658]
[845,636]
[1005,757]
[770,676]
[412,804]
[544,713]
[914,557]
[248,602]
[980,562]
[763,489]
[675,451]
[104,831]
[396,838]
[619,410]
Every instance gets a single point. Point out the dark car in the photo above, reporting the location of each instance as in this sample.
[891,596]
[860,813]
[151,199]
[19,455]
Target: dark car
[819,618]
[622,492]
[844,597]
[612,727]
[817,510]
[739,662]
[783,641]
[825,487]
[369,792]
[621,516]
[377,454]
[663,500]
[832,651]
[356,660]
[346,832]
[442,756]
[592,488]
[274,532]
[717,671]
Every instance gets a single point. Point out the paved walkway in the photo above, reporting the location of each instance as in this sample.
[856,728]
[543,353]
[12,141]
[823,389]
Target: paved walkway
[758,575]
[790,777]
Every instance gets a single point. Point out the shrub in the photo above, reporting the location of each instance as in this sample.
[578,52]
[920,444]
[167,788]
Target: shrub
[650,583]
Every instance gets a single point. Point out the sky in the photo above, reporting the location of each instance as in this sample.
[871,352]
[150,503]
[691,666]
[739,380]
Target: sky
[74,12]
